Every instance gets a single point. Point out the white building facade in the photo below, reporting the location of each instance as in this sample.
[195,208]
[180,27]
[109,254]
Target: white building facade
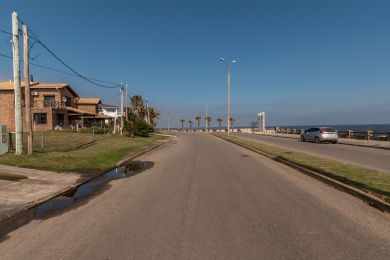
[261,121]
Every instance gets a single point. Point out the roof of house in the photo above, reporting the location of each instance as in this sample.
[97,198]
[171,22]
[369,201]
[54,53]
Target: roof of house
[100,116]
[89,101]
[9,85]
[80,111]
[108,106]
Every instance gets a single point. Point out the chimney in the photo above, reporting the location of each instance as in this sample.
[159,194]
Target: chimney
[31,78]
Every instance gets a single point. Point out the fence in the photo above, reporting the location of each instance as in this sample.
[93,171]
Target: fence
[366,135]
[64,140]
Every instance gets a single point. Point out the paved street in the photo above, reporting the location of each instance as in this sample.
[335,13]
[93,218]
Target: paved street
[373,158]
[208,199]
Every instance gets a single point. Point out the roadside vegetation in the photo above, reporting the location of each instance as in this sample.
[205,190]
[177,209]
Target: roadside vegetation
[369,180]
[95,156]
[91,150]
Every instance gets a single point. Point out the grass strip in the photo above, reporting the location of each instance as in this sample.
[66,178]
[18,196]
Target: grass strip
[95,158]
[375,182]
[11,177]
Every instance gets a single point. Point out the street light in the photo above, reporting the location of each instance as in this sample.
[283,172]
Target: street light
[228,72]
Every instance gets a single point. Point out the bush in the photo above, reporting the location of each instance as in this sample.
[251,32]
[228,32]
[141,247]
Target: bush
[141,128]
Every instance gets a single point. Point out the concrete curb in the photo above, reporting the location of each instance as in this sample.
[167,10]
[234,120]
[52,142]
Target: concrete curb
[339,142]
[36,203]
[360,194]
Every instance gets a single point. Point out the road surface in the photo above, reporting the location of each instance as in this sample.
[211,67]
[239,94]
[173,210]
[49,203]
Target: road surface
[206,198]
[368,157]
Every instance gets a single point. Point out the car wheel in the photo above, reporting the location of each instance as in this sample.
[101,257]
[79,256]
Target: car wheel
[334,142]
[302,139]
[317,140]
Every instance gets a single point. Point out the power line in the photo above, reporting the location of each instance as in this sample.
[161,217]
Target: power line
[35,37]
[52,69]
[6,32]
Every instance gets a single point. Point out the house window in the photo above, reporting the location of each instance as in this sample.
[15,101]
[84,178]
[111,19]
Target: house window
[40,118]
[68,101]
[48,101]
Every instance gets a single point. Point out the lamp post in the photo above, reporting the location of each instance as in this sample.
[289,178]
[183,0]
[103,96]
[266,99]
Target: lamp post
[228,81]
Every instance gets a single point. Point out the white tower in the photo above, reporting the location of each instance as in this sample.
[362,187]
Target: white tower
[261,121]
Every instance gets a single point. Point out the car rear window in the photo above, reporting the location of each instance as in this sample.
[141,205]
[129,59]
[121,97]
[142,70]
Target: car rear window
[329,130]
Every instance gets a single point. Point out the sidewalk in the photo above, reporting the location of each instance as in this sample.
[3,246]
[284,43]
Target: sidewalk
[347,141]
[16,196]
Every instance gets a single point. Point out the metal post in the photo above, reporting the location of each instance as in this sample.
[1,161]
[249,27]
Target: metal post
[27,89]
[18,90]
[42,141]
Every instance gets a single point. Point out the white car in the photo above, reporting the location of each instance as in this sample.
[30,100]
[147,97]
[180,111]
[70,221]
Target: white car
[320,134]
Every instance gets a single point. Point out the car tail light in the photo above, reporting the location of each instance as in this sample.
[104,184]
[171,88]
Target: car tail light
[321,131]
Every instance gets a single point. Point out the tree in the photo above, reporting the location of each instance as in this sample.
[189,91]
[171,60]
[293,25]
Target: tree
[198,118]
[232,122]
[190,122]
[253,125]
[208,120]
[220,120]
[154,115]
[138,106]
[182,123]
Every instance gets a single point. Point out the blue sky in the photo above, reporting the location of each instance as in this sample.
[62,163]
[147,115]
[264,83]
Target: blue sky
[302,62]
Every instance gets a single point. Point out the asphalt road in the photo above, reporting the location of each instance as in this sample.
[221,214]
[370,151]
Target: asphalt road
[208,199]
[368,157]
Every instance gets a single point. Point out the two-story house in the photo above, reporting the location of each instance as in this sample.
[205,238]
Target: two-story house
[52,104]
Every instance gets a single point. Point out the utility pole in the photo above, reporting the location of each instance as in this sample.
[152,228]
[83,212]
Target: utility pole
[17,88]
[169,120]
[147,112]
[228,119]
[27,90]
[228,79]
[127,101]
[121,95]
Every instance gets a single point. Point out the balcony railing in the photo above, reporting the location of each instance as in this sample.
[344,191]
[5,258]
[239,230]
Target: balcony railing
[48,103]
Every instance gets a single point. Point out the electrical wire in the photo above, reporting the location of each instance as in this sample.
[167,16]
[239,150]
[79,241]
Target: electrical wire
[52,69]
[35,37]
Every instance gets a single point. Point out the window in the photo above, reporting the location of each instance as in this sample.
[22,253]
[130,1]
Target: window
[40,118]
[48,101]
[68,101]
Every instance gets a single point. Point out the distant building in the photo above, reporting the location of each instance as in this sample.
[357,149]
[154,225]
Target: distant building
[110,110]
[261,121]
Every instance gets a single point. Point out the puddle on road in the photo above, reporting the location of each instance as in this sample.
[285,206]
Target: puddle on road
[61,202]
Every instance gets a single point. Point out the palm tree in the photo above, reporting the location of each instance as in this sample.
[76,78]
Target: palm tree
[220,120]
[190,122]
[198,118]
[182,123]
[232,122]
[137,105]
[154,115]
[208,120]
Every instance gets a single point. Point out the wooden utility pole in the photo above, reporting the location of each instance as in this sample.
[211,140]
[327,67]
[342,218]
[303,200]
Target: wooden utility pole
[17,88]
[127,101]
[121,95]
[27,89]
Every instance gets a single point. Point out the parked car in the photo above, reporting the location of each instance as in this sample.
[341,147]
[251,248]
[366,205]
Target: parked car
[320,134]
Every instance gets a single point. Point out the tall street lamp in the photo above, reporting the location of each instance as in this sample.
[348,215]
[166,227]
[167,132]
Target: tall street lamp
[228,79]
